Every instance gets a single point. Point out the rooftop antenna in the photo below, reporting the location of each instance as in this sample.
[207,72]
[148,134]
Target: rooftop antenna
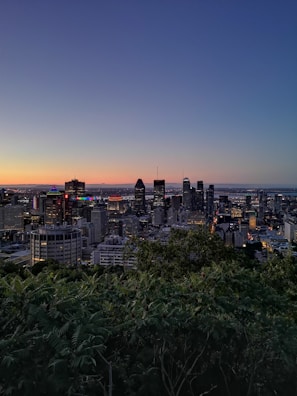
[157,173]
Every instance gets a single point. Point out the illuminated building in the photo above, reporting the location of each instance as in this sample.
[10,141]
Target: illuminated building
[12,217]
[236,212]
[60,243]
[54,207]
[200,196]
[139,192]
[75,188]
[159,194]
[115,203]
[210,202]
[252,221]
[187,194]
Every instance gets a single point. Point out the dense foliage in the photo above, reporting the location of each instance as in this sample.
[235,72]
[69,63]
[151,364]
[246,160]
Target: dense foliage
[194,319]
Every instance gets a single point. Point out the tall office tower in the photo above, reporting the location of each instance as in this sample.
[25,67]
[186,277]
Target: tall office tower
[210,202]
[75,188]
[35,203]
[159,194]
[263,199]
[262,205]
[277,203]
[176,201]
[2,195]
[193,195]
[12,217]
[100,220]
[54,207]
[61,243]
[186,193]
[139,193]
[41,203]
[200,196]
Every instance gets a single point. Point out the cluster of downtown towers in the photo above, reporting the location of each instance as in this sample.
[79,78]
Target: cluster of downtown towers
[192,199]
[61,207]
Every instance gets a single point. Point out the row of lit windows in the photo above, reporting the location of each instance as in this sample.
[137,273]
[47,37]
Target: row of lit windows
[59,237]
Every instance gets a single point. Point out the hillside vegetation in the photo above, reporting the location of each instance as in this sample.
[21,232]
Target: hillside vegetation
[195,318]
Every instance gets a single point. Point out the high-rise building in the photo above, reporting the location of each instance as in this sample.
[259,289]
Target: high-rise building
[54,207]
[277,203]
[187,194]
[193,194]
[159,193]
[12,217]
[139,203]
[262,205]
[60,243]
[200,196]
[116,204]
[210,202]
[100,220]
[176,201]
[75,188]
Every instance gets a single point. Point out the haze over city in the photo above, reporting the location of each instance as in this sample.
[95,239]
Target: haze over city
[108,92]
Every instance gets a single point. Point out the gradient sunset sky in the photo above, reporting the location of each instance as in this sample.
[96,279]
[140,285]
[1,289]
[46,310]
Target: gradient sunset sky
[110,91]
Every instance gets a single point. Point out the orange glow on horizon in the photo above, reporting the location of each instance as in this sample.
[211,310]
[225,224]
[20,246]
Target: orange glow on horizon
[58,176]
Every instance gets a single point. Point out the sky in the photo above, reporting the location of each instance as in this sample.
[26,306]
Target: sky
[112,91]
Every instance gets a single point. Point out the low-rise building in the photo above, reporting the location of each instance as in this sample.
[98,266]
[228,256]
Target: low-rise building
[112,252]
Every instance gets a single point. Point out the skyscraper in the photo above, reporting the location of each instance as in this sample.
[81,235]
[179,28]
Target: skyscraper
[262,205]
[75,188]
[210,202]
[200,196]
[159,193]
[54,207]
[277,203]
[100,220]
[139,192]
[186,193]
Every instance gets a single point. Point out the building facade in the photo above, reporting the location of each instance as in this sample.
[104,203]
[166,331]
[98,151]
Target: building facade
[60,243]
[187,194]
[139,194]
[159,194]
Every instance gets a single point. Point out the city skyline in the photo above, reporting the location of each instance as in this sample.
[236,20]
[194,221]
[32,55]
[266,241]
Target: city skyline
[109,92]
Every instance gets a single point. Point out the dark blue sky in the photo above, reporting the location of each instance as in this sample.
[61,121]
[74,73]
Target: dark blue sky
[107,91]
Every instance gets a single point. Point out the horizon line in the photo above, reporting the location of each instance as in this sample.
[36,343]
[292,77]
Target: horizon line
[284,185]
